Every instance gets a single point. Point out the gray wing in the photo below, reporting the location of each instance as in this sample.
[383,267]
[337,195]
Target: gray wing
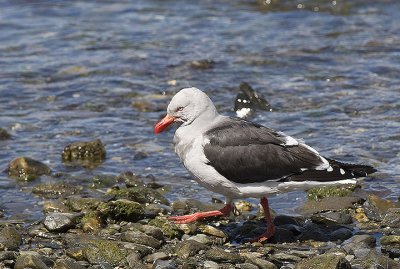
[245,152]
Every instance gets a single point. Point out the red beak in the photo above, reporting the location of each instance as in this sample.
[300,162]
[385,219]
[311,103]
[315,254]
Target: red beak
[163,124]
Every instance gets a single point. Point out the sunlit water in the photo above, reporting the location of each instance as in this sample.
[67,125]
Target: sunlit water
[70,70]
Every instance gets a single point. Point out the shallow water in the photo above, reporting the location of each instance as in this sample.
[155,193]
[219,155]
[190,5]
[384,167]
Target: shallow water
[70,71]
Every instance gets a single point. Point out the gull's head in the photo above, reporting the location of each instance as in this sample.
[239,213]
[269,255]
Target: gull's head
[188,105]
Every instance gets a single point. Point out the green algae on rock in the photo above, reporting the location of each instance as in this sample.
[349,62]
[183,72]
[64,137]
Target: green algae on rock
[122,209]
[25,168]
[141,195]
[169,229]
[87,154]
[318,193]
[55,190]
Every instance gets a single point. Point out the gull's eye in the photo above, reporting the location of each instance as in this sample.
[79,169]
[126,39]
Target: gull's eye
[179,108]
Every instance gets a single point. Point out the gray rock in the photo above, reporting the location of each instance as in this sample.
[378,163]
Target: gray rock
[326,261]
[142,250]
[134,261]
[189,248]
[201,238]
[341,234]
[161,264]
[375,208]
[140,238]
[392,218]
[87,154]
[61,222]
[29,261]
[10,238]
[220,255]
[25,168]
[375,261]
[153,231]
[211,230]
[67,264]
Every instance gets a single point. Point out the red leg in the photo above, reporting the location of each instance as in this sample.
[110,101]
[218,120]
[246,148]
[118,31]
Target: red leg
[226,210]
[270,224]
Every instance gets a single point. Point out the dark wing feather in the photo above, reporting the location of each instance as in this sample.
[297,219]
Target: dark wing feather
[245,152]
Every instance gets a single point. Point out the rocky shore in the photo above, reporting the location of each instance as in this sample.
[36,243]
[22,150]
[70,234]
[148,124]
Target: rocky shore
[121,222]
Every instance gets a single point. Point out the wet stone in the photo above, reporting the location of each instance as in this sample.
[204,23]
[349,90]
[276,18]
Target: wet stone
[141,238]
[357,244]
[87,154]
[29,261]
[247,266]
[392,218]
[375,207]
[54,190]
[61,222]
[4,135]
[189,248]
[54,206]
[122,209]
[25,168]
[130,179]
[326,261]
[10,238]
[220,255]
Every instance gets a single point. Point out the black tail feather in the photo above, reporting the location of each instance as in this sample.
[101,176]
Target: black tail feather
[341,171]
